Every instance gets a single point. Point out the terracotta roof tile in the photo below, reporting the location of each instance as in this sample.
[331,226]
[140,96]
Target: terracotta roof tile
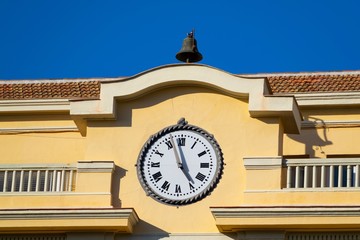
[49,90]
[90,89]
[315,82]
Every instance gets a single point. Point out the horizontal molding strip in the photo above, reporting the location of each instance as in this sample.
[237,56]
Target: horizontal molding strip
[326,99]
[321,211]
[68,214]
[41,105]
[7,194]
[120,220]
[37,166]
[330,124]
[38,130]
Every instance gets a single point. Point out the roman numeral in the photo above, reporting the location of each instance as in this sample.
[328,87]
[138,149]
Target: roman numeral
[204,165]
[181,141]
[191,186]
[155,164]
[202,153]
[157,176]
[165,185]
[200,176]
[159,153]
[169,145]
[194,145]
[177,188]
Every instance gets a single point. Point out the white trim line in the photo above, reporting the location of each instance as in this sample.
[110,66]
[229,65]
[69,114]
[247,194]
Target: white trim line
[69,214]
[96,219]
[262,162]
[47,193]
[37,166]
[317,189]
[38,130]
[47,105]
[95,166]
[325,99]
[320,211]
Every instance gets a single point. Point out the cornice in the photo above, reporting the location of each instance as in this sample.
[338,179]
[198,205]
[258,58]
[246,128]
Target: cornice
[68,214]
[330,99]
[39,105]
[119,220]
[304,211]
[256,90]
[233,219]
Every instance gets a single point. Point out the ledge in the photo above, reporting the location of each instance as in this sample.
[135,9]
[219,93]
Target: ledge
[232,219]
[35,105]
[329,99]
[114,220]
[263,162]
[95,166]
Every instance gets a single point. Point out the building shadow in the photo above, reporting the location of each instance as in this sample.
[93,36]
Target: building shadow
[118,174]
[147,230]
[311,137]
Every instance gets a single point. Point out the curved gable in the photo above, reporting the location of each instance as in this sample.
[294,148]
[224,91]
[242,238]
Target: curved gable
[255,90]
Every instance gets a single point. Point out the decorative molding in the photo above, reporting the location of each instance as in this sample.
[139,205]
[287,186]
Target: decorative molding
[38,130]
[70,214]
[262,162]
[330,124]
[38,166]
[109,219]
[44,105]
[286,211]
[326,99]
[235,219]
[318,189]
[95,166]
[256,90]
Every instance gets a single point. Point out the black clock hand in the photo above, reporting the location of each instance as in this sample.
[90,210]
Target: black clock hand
[185,168]
[176,153]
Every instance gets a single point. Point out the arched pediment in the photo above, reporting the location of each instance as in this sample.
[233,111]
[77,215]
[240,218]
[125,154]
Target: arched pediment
[261,102]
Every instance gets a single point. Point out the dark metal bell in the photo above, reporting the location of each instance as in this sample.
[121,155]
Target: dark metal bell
[189,52]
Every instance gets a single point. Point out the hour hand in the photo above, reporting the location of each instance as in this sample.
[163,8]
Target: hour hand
[178,161]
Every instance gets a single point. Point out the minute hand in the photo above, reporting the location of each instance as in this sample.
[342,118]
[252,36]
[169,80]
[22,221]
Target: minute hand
[178,161]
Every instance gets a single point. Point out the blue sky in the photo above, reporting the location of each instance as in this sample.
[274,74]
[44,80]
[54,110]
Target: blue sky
[87,38]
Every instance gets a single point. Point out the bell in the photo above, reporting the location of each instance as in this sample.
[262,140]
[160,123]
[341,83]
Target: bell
[189,52]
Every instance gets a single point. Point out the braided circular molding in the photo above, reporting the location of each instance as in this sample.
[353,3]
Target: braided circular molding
[210,184]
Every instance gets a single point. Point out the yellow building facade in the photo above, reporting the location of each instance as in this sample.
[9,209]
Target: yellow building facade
[181,151]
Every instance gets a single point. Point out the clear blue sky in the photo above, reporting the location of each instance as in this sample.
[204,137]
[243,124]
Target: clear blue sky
[87,38]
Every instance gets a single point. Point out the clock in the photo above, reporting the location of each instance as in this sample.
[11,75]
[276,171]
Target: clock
[180,164]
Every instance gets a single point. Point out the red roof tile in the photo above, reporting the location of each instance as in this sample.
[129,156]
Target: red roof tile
[314,82]
[90,89]
[50,90]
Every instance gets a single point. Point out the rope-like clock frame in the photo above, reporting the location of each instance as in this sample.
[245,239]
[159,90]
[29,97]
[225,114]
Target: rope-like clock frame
[181,125]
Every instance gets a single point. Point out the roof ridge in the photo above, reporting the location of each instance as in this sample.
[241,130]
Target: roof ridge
[64,80]
[289,74]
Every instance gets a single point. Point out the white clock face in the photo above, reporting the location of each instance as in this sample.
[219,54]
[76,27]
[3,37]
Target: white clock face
[180,166]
